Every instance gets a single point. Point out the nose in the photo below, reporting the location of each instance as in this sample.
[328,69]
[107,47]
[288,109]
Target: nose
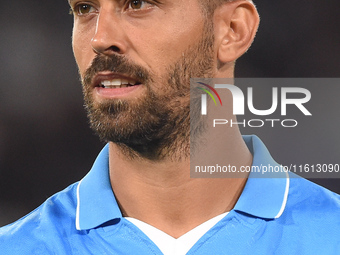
[109,35]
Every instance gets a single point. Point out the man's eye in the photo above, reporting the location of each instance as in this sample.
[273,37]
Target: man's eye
[137,4]
[83,9]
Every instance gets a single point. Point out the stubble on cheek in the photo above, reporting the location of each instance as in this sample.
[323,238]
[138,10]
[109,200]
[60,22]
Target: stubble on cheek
[157,124]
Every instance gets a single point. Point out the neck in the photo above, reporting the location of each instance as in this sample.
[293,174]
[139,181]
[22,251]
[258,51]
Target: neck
[162,194]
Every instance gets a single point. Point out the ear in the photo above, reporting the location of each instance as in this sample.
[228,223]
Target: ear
[235,24]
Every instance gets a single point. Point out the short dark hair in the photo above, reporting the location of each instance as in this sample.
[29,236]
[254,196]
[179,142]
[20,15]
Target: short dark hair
[209,6]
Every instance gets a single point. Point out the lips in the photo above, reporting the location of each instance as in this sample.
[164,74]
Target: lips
[113,81]
[107,85]
[117,83]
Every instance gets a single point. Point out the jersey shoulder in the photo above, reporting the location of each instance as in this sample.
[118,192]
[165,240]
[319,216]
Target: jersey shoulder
[43,229]
[310,196]
[313,206]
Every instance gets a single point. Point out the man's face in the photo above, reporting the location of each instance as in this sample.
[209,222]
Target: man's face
[156,46]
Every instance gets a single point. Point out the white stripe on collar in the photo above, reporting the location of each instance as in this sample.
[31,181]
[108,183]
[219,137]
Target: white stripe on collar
[284,202]
[78,205]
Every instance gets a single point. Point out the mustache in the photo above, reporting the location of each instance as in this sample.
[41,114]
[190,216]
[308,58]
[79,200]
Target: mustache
[115,64]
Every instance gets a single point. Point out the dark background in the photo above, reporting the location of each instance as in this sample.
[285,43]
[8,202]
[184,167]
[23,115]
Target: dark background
[45,142]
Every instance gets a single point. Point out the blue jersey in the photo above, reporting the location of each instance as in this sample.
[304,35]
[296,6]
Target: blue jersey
[279,214]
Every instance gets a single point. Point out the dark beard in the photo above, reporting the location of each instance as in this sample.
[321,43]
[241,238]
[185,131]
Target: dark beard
[156,126]
[146,128]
